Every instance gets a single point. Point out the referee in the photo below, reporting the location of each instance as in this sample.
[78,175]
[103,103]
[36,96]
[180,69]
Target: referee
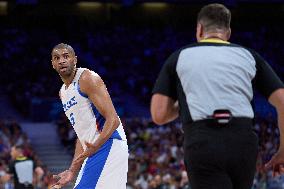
[209,84]
[22,168]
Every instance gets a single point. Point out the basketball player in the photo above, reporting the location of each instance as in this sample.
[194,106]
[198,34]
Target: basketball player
[101,150]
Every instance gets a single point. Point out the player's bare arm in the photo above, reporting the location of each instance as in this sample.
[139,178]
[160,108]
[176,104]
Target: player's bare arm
[93,86]
[78,150]
[277,161]
[163,109]
[68,175]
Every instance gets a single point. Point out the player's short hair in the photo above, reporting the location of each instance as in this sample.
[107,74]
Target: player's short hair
[63,46]
[214,16]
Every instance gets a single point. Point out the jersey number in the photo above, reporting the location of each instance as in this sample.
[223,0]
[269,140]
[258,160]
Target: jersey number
[72,119]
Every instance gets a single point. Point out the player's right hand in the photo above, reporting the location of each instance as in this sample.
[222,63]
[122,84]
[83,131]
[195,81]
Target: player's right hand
[63,178]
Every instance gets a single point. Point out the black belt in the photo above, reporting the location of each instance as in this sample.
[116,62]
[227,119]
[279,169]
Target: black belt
[234,123]
[224,117]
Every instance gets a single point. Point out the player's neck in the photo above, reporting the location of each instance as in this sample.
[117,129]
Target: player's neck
[68,80]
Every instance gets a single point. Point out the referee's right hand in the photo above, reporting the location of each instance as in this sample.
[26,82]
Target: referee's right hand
[276,163]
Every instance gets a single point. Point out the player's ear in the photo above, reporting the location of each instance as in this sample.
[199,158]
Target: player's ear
[75,60]
[52,64]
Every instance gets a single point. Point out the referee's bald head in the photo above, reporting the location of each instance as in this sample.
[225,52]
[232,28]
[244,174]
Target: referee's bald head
[214,17]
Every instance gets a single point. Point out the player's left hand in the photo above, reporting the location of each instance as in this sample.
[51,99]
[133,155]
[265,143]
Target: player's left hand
[63,178]
[276,163]
[91,149]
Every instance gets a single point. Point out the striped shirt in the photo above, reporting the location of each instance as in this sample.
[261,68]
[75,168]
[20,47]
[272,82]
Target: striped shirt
[215,74]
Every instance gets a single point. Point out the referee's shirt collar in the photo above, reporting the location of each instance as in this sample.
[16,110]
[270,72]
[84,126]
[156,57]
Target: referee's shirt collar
[213,40]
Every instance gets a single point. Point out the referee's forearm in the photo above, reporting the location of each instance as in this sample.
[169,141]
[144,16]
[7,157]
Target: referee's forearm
[173,112]
[163,109]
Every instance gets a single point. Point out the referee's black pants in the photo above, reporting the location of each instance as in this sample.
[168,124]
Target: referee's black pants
[220,157]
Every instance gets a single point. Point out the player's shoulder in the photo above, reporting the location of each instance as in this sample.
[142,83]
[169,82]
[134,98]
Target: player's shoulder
[89,77]
[89,74]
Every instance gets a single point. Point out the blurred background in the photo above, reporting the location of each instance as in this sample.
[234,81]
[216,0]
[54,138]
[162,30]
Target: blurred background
[126,42]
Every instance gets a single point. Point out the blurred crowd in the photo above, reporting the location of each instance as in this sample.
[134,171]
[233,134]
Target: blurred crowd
[11,134]
[156,156]
[156,153]
[127,58]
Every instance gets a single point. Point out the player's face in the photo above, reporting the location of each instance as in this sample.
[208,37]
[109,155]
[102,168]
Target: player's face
[63,62]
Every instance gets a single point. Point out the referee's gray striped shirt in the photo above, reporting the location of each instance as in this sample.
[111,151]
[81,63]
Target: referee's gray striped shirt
[214,75]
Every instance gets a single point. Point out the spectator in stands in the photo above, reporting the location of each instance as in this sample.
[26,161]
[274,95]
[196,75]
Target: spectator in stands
[9,131]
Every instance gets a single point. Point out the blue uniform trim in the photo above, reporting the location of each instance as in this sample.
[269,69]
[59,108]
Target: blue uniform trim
[101,121]
[115,135]
[80,92]
[94,167]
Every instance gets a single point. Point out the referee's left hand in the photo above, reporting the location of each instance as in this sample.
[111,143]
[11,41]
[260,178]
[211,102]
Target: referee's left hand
[276,163]
[91,149]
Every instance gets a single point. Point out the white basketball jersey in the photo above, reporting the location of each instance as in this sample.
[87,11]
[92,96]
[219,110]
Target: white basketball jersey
[82,114]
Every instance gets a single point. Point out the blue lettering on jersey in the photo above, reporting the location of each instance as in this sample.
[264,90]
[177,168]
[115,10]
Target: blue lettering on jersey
[69,104]
[72,119]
